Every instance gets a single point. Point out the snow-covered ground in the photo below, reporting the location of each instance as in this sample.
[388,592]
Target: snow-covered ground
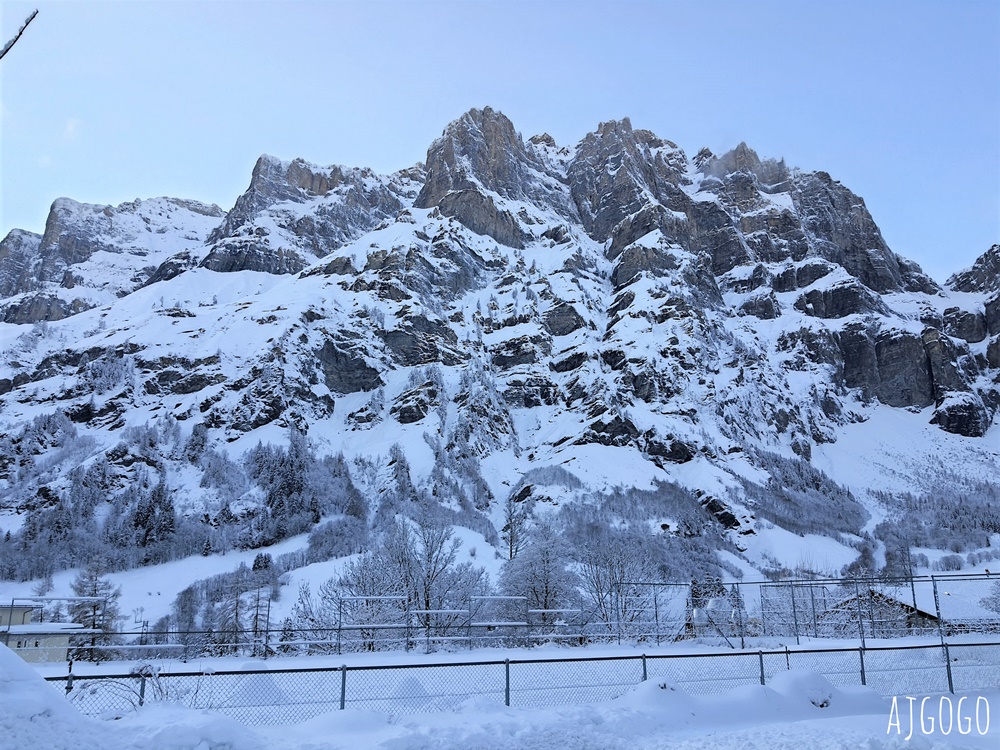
[797,710]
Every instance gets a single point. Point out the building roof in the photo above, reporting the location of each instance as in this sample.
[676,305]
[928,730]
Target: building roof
[49,628]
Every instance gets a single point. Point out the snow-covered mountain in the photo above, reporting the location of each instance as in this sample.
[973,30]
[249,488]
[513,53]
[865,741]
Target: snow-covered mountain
[513,323]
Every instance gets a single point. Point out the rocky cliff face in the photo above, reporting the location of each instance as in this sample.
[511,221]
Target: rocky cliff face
[294,212]
[984,276]
[518,303]
[90,255]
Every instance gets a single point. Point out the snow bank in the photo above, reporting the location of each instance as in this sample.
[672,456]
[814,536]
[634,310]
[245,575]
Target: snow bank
[796,710]
[33,714]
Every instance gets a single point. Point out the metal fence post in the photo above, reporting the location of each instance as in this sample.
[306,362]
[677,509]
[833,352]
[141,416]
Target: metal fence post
[944,645]
[740,608]
[645,674]
[142,689]
[812,599]
[69,684]
[527,624]
[937,608]
[861,656]
[469,625]
[795,614]
[947,664]
[656,612]
[506,689]
[763,614]
[340,622]
[760,655]
[861,615]
[343,686]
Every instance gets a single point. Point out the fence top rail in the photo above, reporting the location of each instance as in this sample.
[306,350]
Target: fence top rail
[373,598]
[861,580]
[367,625]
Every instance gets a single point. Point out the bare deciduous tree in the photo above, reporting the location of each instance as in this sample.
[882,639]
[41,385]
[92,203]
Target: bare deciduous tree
[7,47]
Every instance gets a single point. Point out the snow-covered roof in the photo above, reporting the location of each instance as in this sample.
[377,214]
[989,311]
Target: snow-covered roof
[49,628]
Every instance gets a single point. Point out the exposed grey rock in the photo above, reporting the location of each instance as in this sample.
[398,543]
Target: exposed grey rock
[569,363]
[764,306]
[33,308]
[892,365]
[811,271]
[414,404]
[74,232]
[668,448]
[965,325]
[839,301]
[943,356]
[563,319]
[728,250]
[348,202]
[617,430]
[480,149]
[530,392]
[914,278]
[420,341]
[18,258]
[524,350]
[744,160]
[173,266]
[481,153]
[256,254]
[815,346]
[614,168]
[844,232]
[758,277]
[993,352]
[962,414]
[480,214]
[344,370]
[904,372]
[983,276]
[638,259]
[992,314]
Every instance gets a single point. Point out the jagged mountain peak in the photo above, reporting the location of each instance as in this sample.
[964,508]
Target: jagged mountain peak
[982,276]
[622,131]
[294,211]
[480,150]
[91,254]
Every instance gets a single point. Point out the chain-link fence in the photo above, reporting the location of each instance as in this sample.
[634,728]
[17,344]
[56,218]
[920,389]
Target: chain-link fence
[738,615]
[288,696]
[858,608]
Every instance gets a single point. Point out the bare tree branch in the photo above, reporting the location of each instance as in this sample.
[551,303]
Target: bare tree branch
[8,45]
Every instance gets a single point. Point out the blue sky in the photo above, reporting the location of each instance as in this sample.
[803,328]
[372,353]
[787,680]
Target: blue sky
[109,101]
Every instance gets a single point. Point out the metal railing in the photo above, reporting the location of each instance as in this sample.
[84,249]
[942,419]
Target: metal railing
[288,696]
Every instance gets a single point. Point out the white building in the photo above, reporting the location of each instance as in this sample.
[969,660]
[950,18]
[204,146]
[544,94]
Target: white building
[36,641]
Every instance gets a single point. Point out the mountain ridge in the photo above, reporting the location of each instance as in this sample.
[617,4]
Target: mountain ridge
[505,306]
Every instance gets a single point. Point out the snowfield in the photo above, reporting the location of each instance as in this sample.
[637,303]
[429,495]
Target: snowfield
[798,709]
